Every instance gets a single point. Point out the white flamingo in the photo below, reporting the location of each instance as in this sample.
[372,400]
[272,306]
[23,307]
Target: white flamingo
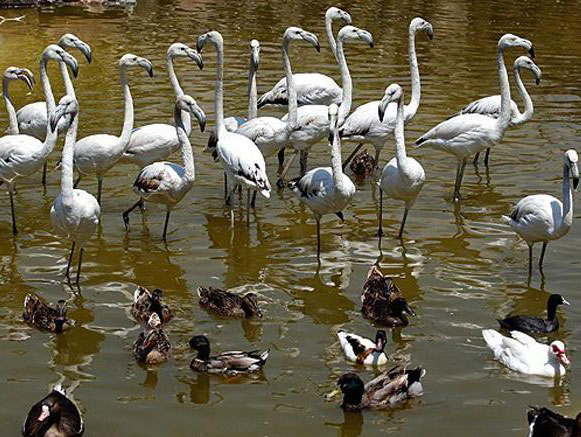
[363,125]
[12,74]
[312,120]
[23,155]
[326,190]
[271,134]
[165,182]
[402,177]
[543,218]
[157,141]
[96,154]
[240,158]
[467,134]
[491,105]
[312,88]
[75,213]
[32,118]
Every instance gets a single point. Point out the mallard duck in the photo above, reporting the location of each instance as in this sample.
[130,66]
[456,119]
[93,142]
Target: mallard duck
[536,325]
[383,302]
[545,423]
[386,390]
[362,350]
[145,303]
[228,363]
[39,314]
[54,416]
[363,164]
[153,345]
[227,304]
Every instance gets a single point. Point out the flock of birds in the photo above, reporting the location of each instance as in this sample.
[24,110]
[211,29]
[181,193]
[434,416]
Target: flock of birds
[318,109]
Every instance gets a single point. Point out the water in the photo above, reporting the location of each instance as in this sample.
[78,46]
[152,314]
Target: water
[460,267]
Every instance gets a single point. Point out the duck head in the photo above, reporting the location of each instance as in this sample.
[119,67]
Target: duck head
[557,349]
[400,306]
[250,305]
[202,345]
[352,388]
[62,316]
[380,340]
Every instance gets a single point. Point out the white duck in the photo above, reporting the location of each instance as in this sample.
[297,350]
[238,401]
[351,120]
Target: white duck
[165,182]
[402,177]
[543,218]
[524,354]
[326,190]
[12,74]
[362,350]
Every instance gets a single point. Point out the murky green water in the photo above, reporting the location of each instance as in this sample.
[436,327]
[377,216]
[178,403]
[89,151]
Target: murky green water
[460,267]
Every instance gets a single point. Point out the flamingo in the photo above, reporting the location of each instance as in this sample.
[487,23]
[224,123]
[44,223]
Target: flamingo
[402,177]
[165,182]
[312,120]
[311,88]
[241,159]
[491,105]
[543,218]
[363,125]
[96,154]
[74,214]
[467,134]
[11,74]
[326,190]
[23,155]
[155,142]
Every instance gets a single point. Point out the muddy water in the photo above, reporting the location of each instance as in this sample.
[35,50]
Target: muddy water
[460,267]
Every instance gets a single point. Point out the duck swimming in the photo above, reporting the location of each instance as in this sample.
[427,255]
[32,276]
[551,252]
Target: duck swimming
[227,304]
[146,303]
[153,345]
[545,423]
[536,325]
[38,314]
[363,350]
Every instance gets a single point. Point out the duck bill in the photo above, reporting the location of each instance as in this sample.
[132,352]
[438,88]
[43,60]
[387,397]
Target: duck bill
[333,394]
[566,302]
[410,311]
[564,360]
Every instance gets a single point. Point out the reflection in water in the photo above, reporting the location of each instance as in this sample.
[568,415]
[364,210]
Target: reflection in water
[352,425]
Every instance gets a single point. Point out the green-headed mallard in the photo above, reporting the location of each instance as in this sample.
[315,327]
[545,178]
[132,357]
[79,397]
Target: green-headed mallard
[227,304]
[153,345]
[145,303]
[228,363]
[39,314]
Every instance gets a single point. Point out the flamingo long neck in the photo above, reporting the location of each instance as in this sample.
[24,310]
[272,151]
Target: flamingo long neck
[219,90]
[252,92]
[346,83]
[69,88]
[13,122]
[414,103]
[567,219]
[400,153]
[48,96]
[178,91]
[67,163]
[528,114]
[504,117]
[336,164]
[290,86]
[330,36]
[187,153]
[128,118]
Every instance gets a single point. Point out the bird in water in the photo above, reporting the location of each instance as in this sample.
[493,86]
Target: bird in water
[363,164]
[146,302]
[536,325]
[227,304]
[546,423]
[153,345]
[42,316]
[362,350]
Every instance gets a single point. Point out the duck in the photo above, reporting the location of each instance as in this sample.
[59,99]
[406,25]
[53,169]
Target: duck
[227,363]
[56,415]
[362,350]
[145,303]
[524,354]
[363,164]
[153,345]
[544,422]
[227,304]
[42,316]
[536,325]
[387,390]
[382,302]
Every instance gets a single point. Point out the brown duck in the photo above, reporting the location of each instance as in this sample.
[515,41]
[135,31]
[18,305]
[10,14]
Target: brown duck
[227,304]
[38,314]
[153,345]
[146,303]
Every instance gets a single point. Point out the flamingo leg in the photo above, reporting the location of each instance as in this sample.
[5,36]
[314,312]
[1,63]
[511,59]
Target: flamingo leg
[225,187]
[303,161]
[165,225]
[318,237]
[459,176]
[126,213]
[530,259]
[14,228]
[380,215]
[79,267]
[542,255]
[405,216]
[247,206]
[476,157]
[350,157]
[280,181]
[67,271]
[99,189]
[280,160]
[44,170]
[253,201]
[486,157]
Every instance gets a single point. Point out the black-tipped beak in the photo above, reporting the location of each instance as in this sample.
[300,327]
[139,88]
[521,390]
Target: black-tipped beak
[200,43]
[27,77]
[150,71]
[73,65]
[538,80]
[575,183]
[532,52]
[200,116]
[410,311]
[197,58]
[86,50]
[318,47]
[430,33]
[202,124]
[381,112]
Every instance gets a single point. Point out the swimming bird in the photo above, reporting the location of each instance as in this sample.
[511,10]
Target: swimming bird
[241,159]
[362,350]
[543,218]
[387,390]
[97,154]
[164,182]
[23,155]
[546,423]
[311,88]
[56,415]
[157,141]
[536,325]
[74,214]
[467,134]
[383,302]
[326,190]
[491,105]
[145,303]
[363,125]
[153,345]
[227,304]
[42,316]
[13,74]
[227,363]
[402,177]
[524,354]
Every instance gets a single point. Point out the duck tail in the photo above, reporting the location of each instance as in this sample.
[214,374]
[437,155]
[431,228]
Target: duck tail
[264,356]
